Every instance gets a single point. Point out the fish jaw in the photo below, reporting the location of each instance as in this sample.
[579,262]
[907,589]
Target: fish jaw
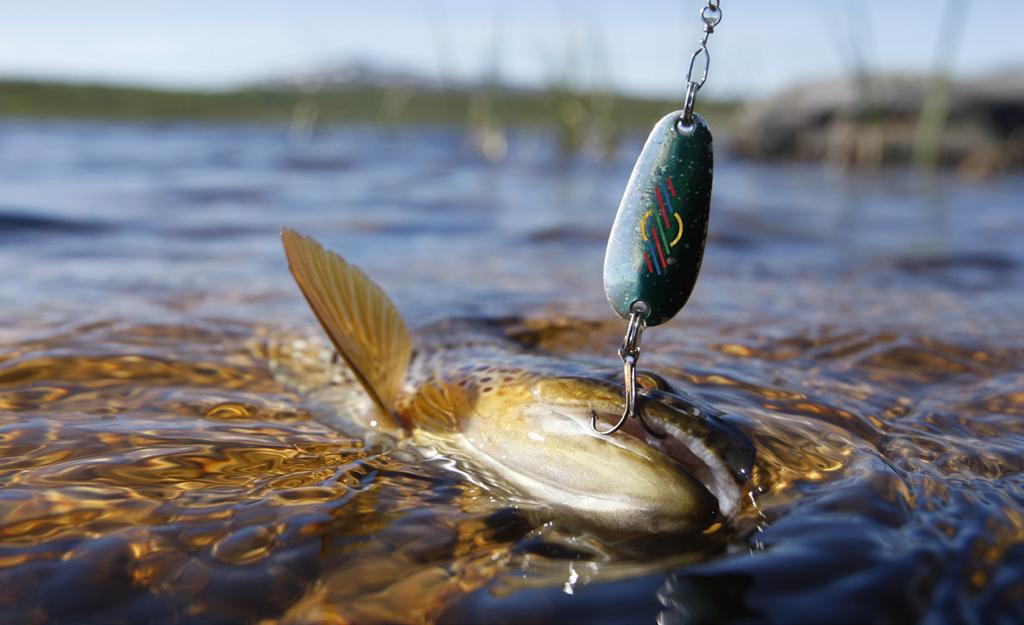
[549,453]
[709,449]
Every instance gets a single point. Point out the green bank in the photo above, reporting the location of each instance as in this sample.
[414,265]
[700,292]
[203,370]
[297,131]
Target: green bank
[365,104]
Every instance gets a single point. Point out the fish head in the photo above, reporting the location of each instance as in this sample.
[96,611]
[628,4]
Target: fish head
[684,479]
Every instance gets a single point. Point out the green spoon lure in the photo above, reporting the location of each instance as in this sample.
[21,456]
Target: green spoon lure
[657,241]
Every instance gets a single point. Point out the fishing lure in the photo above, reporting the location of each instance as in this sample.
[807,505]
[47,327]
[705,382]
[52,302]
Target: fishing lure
[657,241]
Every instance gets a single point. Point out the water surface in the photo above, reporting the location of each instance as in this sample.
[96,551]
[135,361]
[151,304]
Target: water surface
[865,331]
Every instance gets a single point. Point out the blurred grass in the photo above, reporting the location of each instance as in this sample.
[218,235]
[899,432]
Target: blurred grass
[356,104]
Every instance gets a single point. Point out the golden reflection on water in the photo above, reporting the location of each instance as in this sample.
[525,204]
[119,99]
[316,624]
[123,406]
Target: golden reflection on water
[162,470]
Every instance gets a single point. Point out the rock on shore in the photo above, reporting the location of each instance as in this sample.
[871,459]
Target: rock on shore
[975,126]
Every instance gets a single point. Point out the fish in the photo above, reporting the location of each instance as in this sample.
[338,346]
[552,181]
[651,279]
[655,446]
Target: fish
[524,417]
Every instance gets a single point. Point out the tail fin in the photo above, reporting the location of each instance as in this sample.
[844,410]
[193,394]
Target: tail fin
[360,319]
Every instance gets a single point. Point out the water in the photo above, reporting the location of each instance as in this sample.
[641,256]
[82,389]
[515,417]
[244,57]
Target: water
[866,332]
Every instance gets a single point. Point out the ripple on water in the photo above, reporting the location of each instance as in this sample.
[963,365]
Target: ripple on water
[163,470]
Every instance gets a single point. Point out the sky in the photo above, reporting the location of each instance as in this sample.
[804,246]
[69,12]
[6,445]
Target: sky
[637,46]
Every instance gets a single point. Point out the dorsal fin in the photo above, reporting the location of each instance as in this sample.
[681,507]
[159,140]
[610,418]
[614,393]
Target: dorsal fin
[357,315]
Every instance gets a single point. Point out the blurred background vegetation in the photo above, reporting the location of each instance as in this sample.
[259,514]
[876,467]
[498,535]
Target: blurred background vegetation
[338,103]
[852,83]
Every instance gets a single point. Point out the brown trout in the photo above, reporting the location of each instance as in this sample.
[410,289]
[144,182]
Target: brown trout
[524,417]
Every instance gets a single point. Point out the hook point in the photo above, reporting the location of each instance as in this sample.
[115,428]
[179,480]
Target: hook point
[615,428]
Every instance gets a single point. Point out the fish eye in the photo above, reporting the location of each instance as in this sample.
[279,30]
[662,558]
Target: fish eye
[653,382]
[673,401]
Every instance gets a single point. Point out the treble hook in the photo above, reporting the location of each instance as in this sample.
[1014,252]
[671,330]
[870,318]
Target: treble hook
[629,352]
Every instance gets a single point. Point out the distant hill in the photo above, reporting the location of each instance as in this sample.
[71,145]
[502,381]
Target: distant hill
[349,74]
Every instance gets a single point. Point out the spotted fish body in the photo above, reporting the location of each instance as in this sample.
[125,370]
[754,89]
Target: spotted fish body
[471,392]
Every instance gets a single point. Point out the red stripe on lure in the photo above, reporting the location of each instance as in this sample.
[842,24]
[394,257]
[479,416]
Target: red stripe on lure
[657,242]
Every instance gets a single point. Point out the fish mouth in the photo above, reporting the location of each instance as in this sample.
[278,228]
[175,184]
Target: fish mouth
[717,455]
